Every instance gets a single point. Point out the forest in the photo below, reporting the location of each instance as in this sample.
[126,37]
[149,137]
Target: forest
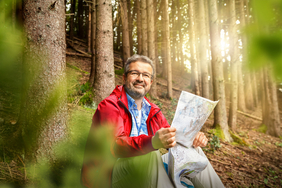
[60,58]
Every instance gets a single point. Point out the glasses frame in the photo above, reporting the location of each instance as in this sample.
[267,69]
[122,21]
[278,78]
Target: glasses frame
[129,72]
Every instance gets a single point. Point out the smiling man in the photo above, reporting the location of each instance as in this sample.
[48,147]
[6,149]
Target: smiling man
[140,130]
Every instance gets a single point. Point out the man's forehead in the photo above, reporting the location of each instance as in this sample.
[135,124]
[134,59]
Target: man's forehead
[140,64]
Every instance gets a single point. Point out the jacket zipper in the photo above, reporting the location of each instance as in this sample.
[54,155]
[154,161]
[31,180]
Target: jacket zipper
[127,112]
[150,122]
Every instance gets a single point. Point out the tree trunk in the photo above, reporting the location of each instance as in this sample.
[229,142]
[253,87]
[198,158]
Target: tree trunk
[203,49]
[130,27]
[105,76]
[80,18]
[88,8]
[125,31]
[174,33]
[158,67]
[164,55]
[181,60]
[139,28]
[151,43]
[273,119]
[220,118]
[144,28]
[194,67]
[167,49]
[73,2]
[234,45]
[44,110]
[93,39]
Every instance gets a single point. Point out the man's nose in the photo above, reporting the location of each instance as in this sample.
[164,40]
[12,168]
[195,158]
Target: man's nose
[140,78]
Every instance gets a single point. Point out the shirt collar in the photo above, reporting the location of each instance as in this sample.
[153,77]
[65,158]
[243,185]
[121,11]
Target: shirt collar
[131,103]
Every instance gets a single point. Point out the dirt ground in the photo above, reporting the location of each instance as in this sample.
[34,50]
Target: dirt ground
[258,164]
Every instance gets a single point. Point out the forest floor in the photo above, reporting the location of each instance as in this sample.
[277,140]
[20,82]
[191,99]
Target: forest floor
[256,163]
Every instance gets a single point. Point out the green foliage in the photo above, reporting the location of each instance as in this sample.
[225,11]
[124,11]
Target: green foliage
[119,72]
[265,34]
[158,103]
[76,68]
[173,101]
[238,139]
[214,143]
[217,131]
[262,128]
[278,144]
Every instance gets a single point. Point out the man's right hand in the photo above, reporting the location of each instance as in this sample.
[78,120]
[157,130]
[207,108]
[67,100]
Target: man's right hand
[164,138]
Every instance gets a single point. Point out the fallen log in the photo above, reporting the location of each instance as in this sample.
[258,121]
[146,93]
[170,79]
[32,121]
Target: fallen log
[78,54]
[251,116]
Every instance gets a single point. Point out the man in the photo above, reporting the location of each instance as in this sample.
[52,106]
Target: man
[140,130]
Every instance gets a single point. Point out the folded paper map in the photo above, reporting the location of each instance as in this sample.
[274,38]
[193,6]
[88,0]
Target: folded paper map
[191,113]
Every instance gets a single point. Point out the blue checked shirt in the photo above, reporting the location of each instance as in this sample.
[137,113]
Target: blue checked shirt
[138,127]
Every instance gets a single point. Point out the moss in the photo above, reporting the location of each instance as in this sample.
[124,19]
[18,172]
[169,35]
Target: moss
[262,128]
[237,139]
[76,68]
[119,72]
[217,132]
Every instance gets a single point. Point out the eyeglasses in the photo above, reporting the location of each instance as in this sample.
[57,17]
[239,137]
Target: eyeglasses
[135,74]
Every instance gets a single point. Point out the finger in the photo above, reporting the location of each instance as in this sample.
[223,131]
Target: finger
[172,129]
[172,144]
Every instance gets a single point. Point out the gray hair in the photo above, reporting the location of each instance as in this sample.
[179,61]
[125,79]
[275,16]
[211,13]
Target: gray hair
[140,58]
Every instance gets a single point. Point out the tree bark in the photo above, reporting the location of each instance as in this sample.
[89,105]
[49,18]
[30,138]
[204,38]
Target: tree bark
[125,31]
[220,116]
[88,8]
[139,28]
[273,119]
[73,2]
[130,27]
[44,110]
[80,18]
[181,60]
[203,49]
[232,121]
[151,43]
[93,39]
[105,76]
[194,67]
[167,49]
[144,28]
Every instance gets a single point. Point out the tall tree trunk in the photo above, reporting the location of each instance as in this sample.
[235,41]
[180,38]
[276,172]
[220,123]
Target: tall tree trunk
[194,68]
[233,38]
[158,67]
[130,27]
[125,31]
[180,44]
[88,24]
[220,116]
[139,28]
[119,28]
[203,49]
[164,55]
[174,33]
[93,39]
[241,89]
[151,43]
[105,76]
[167,49]
[80,18]
[144,28]
[44,110]
[273,119]
[73,3]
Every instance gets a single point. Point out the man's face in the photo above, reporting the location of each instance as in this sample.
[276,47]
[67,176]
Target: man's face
[137,85]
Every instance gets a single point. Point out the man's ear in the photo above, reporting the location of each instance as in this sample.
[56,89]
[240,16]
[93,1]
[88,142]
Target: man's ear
[123,78]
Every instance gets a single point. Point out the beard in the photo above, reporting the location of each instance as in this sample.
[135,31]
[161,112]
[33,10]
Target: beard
[133,92]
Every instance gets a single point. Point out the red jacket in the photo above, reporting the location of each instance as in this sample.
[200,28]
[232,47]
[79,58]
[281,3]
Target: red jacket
[114,110]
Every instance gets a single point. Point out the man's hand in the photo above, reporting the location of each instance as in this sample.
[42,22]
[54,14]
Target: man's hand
[200,140]
[164,138]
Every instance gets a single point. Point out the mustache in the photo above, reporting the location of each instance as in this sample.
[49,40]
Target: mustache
[138,82]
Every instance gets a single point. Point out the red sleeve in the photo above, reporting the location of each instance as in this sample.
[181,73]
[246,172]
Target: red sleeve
[123,146]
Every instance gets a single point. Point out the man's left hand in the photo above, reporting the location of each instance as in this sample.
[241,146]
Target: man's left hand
[200,140]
